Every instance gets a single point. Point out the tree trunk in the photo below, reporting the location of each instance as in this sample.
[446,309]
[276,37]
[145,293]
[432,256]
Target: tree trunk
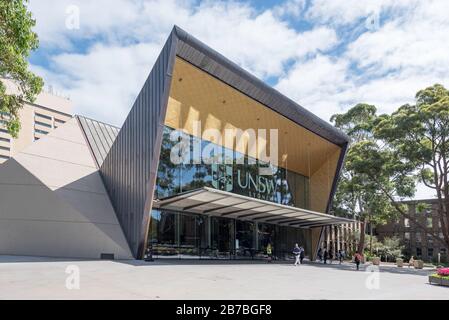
[362,237]
[370,239]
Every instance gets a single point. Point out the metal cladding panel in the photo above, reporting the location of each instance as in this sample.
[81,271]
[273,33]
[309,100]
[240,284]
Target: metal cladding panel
[100,137]
[129,169]
[338,170]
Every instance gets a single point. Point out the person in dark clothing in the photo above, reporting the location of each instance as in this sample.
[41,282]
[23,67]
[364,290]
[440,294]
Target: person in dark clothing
[320,254]
[340,256]
[357,260]
[301,255]
[325,256]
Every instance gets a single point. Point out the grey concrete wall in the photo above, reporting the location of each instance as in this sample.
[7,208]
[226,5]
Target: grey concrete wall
[53,202]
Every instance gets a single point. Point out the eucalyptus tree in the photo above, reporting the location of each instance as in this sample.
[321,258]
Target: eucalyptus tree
[357,195]
[416,139]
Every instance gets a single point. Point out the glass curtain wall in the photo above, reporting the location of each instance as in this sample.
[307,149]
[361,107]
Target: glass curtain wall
[284,186]
[186,236]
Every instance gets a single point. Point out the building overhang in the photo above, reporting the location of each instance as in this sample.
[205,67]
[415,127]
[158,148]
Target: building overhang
[225,204]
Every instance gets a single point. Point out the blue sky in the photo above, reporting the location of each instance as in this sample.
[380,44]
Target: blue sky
[326,55]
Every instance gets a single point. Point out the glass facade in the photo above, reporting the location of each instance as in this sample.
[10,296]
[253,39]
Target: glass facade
[183,235]
[186,235]
[240,176]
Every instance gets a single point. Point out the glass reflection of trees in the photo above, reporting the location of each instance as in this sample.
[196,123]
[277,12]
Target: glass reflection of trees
[284,186]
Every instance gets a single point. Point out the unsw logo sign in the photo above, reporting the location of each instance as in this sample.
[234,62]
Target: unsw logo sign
[222,178]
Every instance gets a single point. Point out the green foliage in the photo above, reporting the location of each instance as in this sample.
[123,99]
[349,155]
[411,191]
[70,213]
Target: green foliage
[389,249]
[357,194]
[436,275]
[417,136]
[17,40]
[389,154]
[357,122]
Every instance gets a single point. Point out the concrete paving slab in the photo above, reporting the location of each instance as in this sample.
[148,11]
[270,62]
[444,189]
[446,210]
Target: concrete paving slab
[45,278]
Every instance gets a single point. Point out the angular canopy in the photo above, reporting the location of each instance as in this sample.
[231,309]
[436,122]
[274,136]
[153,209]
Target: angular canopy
[230,205]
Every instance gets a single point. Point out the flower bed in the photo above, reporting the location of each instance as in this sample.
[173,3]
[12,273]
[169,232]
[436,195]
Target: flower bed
[441,277]
[444,272]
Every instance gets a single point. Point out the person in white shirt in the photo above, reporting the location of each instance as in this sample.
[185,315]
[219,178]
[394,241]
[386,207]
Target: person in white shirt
[297,253]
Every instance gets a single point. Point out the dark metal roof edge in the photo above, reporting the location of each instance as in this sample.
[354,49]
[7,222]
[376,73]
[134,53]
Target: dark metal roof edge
[336,136]
[338,170]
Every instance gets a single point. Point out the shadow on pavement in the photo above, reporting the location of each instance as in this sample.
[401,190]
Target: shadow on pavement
[346,266]
[173,262]
[350,266]
[26,259]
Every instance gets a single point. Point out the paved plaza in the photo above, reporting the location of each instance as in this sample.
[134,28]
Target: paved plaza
[44,278]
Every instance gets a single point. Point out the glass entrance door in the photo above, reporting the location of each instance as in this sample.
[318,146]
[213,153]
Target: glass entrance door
[244,240]
[222,235]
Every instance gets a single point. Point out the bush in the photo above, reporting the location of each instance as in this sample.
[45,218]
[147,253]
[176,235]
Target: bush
[368,256]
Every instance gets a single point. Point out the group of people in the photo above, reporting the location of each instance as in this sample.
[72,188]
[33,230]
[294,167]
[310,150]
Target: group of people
[298,252]
[325,255]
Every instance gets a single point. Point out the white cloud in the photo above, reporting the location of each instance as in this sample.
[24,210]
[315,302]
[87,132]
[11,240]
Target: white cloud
[104,82]
[120,40]
[113,68]
[343,12]
[316,84]
[294,8]
[106,17]
[388,65]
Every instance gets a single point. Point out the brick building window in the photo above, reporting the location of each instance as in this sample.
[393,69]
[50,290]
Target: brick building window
[418,237]
[418,252]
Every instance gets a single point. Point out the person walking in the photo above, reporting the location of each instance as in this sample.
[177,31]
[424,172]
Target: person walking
[325,255]
[411,262]
[320,254]
[297,252]
[330,256]
[340,256]
[357,260]
[301,254]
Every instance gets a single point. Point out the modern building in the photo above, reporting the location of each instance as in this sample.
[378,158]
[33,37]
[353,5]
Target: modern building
[93,190]
[48,112]
[416,242]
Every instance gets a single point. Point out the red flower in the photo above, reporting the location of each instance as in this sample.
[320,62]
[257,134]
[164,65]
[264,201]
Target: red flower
[443,272]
